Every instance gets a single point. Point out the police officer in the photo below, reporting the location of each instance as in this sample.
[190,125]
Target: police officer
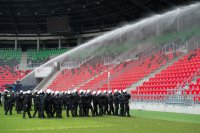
[42,94]
[4,97]
[105,102]
[81,102]
[89,103]
[121,103]
[53,103]
[27,104]
[126,97]
[17,102]
[68,101]
[34,98]
[75,103]
[62,96]
[116,101]
[100,102]
[20,101]
[47,103]
[84,103]
[0,99]
[95,103]
[58,105]
[37,104]
[9,101]
[110,103]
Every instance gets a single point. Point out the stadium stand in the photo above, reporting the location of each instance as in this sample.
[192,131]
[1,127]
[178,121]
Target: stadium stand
[9,59]
[90,80]
[133,74]
[68,79]
[89,75]
[9,75]
[103,76]
[35,56]
[165,82]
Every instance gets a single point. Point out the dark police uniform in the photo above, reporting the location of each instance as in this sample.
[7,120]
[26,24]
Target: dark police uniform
[100,103]
[9,101]
[17,103]
[0,100]
[116,102]
[126,103]
[89,104]
[37,105]
[105,104]
[58,106]
[53,104]
[95,104]
[42,105]
[20,102]
[121,103]
[110,103]
[47,105]
[68,105]
[27,105]
[75,103]
[81,104]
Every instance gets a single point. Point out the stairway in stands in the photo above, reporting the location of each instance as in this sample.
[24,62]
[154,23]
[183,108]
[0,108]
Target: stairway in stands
[50,80]
[23,62]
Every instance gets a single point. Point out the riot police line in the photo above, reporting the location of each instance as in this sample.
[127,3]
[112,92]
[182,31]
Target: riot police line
[80,103]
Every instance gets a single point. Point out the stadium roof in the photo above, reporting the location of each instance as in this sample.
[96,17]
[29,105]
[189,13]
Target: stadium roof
[30,16]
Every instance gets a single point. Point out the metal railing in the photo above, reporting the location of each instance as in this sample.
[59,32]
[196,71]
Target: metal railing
[172,96]
[182,93]
[31,66]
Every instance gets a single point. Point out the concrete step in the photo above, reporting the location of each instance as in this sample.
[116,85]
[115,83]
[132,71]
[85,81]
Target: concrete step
[51,80]
[24,57]
[23,62]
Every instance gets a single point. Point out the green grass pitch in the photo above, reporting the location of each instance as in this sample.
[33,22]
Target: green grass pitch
[140,122]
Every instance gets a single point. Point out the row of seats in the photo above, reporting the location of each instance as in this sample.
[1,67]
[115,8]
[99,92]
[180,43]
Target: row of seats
[9,75]
[9,54]
[131,75]
[129,72]
[10,57]
[103,76]
[173,75]
[68,79]
[194,88]
[38,56]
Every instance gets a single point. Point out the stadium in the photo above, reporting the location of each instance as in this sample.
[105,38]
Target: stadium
[100,66]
